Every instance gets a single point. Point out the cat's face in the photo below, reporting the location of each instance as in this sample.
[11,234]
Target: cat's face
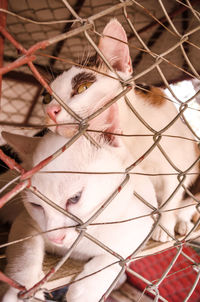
[79,194]
[85,90]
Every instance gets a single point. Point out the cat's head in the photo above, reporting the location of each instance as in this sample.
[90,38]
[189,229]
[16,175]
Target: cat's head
[78,193]
[85,90]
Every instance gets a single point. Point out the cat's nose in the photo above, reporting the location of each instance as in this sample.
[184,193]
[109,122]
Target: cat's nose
[57,240]
[53,111]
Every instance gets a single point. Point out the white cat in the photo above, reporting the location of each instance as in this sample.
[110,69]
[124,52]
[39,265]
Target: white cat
[85,91]
[82,195]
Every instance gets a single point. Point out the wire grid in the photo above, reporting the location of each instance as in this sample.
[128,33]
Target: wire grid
[87,26]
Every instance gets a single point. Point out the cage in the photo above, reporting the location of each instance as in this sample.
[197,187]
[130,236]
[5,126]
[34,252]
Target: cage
[41,39]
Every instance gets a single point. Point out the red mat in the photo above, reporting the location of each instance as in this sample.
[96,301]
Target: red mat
[180,279]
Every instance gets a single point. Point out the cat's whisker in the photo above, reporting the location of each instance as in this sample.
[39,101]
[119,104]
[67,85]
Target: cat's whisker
[87,58]
[10,183]
[6,177]
[82,57]
[16,199]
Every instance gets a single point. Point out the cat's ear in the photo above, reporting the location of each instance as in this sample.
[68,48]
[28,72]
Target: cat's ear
[112,132]
[114,46]
[23,145]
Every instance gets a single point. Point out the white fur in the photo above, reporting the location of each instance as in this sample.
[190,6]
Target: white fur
[181,152]
[25,259]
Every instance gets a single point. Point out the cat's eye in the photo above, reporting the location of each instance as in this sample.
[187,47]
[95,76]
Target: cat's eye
[74,199]
[82,87]
[47,98]
[36,205]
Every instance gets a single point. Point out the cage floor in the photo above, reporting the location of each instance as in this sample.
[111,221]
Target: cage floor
[126,293]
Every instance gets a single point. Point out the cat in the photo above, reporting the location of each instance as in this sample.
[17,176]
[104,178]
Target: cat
[81,195]
[86,90]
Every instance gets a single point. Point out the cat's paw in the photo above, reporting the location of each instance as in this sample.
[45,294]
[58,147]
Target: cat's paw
[76,294]
[79,293]
[12,296]
[160,235]
[166,222]
[183,227]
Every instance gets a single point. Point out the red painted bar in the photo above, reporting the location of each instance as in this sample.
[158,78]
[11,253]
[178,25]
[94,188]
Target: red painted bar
[11,282]
[8,36]
[19,62]
[33,290]
[11,163]
[39,77]
[37,168]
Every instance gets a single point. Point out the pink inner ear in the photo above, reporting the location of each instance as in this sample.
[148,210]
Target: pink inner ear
[115,30]
[115,51]
[113,121]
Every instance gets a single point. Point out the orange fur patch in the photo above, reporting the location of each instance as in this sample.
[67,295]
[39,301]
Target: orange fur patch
[195,217]
[154,95]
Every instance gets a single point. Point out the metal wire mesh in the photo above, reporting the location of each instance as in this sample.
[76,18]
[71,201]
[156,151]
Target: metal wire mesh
[174,59]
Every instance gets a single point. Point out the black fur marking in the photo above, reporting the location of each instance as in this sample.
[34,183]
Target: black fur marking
[82,77]
[42,132]
[11,153]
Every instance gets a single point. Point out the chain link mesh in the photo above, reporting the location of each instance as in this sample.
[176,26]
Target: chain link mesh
[164,43]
